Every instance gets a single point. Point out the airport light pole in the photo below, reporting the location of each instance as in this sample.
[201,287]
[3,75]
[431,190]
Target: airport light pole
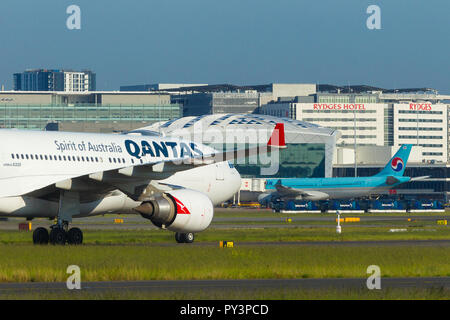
[338,227]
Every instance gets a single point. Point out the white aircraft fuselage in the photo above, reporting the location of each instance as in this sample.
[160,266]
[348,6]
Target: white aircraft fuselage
[104,169]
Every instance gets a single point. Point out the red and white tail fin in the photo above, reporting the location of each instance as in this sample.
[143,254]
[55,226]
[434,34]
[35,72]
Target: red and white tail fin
[277,139]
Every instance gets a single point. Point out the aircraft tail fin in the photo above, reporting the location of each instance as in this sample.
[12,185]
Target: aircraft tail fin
[396,166]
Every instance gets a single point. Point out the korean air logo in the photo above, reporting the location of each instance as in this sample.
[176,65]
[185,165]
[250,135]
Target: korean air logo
[397,164]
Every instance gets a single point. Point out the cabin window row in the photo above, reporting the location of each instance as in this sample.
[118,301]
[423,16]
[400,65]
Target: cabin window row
[16,156]
[55,157]
[118,160]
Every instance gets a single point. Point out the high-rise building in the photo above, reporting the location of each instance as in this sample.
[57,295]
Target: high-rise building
[75,81]
[39,80]
[54,80]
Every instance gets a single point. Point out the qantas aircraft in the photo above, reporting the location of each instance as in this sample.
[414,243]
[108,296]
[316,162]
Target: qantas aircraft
[64,175]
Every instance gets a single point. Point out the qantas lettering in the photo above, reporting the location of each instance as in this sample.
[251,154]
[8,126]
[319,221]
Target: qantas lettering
[161,149]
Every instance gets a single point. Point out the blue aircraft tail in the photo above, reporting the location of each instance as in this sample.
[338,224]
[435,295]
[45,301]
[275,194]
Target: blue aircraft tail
[396,166]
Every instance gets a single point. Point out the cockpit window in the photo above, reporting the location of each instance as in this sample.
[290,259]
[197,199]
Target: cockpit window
[230,165]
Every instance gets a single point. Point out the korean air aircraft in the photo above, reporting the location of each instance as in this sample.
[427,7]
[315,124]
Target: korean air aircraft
[341,188]
[172,182]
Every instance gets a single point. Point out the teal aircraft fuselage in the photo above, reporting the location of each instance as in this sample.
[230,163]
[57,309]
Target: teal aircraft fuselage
[334,188]
[341,188]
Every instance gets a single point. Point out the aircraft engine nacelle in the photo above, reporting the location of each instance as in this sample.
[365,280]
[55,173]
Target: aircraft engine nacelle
[313,196]
[265,198]
[181,210]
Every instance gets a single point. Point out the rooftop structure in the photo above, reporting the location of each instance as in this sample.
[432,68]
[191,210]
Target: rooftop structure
[159,86]
[309,152]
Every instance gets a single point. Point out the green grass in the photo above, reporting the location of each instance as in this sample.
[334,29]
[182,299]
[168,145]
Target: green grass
[129,254]
[214,235]
[242,294]
[28,263]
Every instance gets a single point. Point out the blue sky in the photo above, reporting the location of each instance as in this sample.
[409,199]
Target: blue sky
[233,41]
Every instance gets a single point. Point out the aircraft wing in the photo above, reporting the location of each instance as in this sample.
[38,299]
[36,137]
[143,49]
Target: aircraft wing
[390,180]
[419,178]
[287,192]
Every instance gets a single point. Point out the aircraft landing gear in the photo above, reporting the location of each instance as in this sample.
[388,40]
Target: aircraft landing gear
[184,237]
[75,236]
[58,235]
[69,205]
[40,236]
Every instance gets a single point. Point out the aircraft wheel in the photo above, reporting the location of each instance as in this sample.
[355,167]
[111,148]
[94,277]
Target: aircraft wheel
[184,237]
[40,236]
[75,236]
[58,236]
[187,237]
[178,237]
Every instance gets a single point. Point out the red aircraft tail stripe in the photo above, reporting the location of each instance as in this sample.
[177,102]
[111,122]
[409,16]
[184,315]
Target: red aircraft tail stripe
[277,138]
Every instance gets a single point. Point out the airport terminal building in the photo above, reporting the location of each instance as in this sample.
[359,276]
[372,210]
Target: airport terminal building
[98,111]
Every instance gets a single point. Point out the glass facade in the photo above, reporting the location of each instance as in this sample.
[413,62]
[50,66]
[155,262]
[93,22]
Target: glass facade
[346,98]
[298,160]
[389,126]
[37,116]
[333,99]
